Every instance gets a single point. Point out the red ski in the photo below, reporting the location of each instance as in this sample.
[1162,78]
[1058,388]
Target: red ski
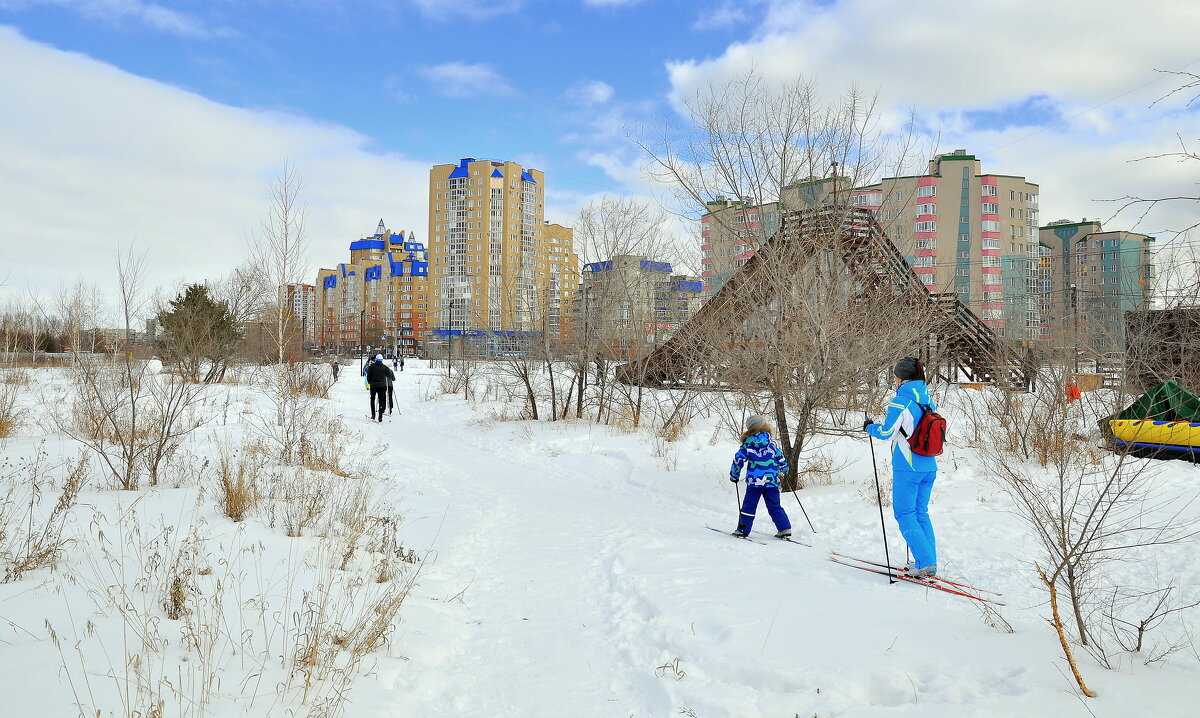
[940,579]
[938,586]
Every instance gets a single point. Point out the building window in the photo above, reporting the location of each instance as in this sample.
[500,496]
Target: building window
[927,226]
[991,208]
[927,191]
[988,190]
[991,225]
[926,209]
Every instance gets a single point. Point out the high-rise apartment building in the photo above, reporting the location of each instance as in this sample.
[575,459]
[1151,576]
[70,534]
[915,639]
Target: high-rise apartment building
[968,233]
[498,271]
[377,299]
[302,301]
[1095,277]
[732,230]
[631,302]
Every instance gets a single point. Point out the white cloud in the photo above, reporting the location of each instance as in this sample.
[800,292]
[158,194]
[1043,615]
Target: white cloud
[99,158]
[460,79]
[727,14]
[151,15]
[1090,76]
[596,92]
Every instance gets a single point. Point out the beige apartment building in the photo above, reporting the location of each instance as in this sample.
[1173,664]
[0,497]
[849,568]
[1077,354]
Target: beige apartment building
[499,273]
[630,302]
[970,233]
[379,298]
[1095,277]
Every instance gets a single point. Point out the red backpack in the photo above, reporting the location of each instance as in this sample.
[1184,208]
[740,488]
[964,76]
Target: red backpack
[929,434]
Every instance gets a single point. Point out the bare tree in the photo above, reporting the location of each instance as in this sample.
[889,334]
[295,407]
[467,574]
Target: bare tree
[278,257]
[617,319]
[1190,84]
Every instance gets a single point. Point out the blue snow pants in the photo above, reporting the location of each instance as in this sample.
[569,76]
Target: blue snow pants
[770,495]
[910,506]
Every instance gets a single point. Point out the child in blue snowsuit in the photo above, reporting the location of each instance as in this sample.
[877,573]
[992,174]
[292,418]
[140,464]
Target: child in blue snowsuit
[764,463]
[912,474]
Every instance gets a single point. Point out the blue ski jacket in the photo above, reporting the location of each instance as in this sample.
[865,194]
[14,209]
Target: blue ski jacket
[763,459]
[903,413]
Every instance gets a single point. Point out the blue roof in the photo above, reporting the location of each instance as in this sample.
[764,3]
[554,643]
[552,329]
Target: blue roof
[497,173]
[460,171]
[367,244]
[526,177]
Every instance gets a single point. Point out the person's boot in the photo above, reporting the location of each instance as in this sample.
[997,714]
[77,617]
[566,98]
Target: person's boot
[785,534]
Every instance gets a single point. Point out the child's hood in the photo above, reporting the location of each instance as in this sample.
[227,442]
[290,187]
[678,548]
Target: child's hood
[762,438]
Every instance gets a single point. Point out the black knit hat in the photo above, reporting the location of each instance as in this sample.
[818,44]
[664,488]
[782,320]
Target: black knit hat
[906,368]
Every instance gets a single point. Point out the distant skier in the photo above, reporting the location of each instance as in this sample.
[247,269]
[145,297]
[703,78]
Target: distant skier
[764,463]
[334,366]
[401,362]
[378,375]
[912,473]
[395,362]
[391,393]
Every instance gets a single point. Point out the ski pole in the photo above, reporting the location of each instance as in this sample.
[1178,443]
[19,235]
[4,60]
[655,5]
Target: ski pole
[879,500]
[806,518]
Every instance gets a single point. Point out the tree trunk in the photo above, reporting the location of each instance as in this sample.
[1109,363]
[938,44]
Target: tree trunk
[1075,608]
[1062,636]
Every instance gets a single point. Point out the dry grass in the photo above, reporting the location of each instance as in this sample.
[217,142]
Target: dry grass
[14,377]
[313,380]
[237,484]
[12,416]
[30,540]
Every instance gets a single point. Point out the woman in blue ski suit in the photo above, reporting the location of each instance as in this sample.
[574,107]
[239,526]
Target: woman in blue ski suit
[912,474]
[764,463]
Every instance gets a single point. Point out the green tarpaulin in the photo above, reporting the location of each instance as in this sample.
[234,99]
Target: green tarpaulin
[1166,402]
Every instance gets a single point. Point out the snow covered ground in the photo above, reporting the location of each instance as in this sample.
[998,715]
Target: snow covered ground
[567,571]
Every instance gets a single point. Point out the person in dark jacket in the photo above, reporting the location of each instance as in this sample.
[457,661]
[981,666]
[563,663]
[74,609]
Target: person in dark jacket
[379,376]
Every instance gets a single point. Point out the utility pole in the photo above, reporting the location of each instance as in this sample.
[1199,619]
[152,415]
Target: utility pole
[1075,321]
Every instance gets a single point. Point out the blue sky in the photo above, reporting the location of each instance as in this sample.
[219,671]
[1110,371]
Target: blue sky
[433,80]
[161,124]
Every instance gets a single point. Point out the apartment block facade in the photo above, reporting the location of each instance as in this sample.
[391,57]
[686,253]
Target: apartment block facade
[498,271]
[732,230]
[1096,276]
[302,301]
[968,233]
[379,298]
[632,302]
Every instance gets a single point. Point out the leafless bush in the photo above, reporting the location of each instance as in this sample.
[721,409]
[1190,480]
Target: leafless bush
[30,536]
[820,468]
[1130,614]
[292,410]
[314,380]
